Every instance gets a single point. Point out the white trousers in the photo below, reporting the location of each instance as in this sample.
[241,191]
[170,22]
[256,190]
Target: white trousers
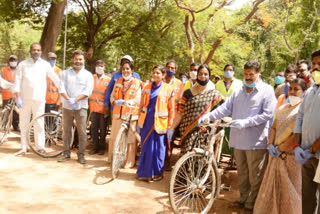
[35,108]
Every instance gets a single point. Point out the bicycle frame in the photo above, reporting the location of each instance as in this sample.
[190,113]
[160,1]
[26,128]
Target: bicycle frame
[210,153]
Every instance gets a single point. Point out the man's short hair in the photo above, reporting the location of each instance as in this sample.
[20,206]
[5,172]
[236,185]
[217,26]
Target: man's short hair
[196,64]
[252,65]
[303,61]
[35,43]
[172,61]
[100,61]
[315,53]
[227,65]
[292,68]
[77,52]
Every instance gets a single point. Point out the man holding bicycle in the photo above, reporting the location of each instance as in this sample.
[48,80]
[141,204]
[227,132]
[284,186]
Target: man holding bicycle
[252,110]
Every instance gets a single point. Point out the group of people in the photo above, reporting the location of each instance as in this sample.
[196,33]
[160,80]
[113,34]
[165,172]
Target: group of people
[283,123]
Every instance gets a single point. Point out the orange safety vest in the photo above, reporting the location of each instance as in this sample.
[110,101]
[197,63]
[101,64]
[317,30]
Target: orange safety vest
[7,75]
[96,100]
[123,111]
[177,87]
[162,108]
[52,94]
[280,101]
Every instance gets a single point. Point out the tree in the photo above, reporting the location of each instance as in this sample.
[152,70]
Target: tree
[211,10]
[52,27]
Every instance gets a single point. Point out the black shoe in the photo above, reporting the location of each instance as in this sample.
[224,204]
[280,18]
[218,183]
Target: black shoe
[92,152]
[64,158]
[81,159]
[101,152]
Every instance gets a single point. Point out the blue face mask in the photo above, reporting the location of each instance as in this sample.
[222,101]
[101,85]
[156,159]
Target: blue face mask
[183,80]
[228,74]
[279,80]
[203,83]
[52,62]
[252,85]
[170,73]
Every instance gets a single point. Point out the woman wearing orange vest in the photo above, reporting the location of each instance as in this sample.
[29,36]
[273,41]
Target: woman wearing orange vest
[96,106]
[156,117]
[9,74]
[126,88]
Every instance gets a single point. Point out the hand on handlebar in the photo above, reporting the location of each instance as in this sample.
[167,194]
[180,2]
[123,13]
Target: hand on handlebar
[238,124]
[273,150]
[205,119]
[170,134]
[119,102]
[19,102]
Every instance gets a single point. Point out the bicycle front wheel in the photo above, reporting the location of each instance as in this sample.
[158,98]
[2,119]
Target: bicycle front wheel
[186,193]
[53,144]
[5,122]
[119,151]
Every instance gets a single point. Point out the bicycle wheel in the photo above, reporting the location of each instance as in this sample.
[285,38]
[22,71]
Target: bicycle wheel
[53,135]
[119,151]
[5,121]
[185,192]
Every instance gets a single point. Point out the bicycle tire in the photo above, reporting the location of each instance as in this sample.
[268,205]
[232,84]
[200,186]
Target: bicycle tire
[53,135]
[184,196]
[5,122]
[119,151]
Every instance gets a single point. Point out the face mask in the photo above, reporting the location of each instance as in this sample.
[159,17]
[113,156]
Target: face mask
[170,73]
[279,80]
[293,100]
[35,56]
[316,77]
[193,75]
[228,74]
[77,67]
[183,79]
[127,77]
[99,70]
[252,85]
[13,64]
[203,83]
[52,62]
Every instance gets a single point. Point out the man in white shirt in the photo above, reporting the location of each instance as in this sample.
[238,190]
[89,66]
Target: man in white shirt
[30,88]
[76,85]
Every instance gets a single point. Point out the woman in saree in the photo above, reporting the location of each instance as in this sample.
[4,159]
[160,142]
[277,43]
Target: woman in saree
[280,190]
[156,116]
[195,102]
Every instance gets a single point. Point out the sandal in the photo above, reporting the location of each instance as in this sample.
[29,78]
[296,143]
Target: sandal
[157,178]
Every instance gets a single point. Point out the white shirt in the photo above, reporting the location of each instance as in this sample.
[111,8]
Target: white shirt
[31,79]
[74,84]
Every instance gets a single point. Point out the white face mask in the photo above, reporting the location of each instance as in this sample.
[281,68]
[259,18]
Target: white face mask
[127,77]
[193,75]
[13,64]
[293,100]
[99,70]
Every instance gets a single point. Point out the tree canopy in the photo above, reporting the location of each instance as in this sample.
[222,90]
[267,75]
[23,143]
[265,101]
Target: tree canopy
[274,32]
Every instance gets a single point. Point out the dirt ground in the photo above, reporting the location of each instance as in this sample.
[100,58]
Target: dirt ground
[31,184]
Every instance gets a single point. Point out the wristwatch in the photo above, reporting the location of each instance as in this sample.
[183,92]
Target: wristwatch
[311,150]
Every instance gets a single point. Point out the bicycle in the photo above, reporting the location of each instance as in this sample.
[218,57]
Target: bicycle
[120,145]
[195,180]
[6,114]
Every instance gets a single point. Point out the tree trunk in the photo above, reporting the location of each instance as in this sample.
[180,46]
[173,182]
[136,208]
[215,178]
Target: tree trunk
[52,28]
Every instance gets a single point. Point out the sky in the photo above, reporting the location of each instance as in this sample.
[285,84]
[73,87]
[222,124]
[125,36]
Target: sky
[238,4]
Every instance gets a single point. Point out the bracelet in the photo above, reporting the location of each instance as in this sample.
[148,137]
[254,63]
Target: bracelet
[295,145]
